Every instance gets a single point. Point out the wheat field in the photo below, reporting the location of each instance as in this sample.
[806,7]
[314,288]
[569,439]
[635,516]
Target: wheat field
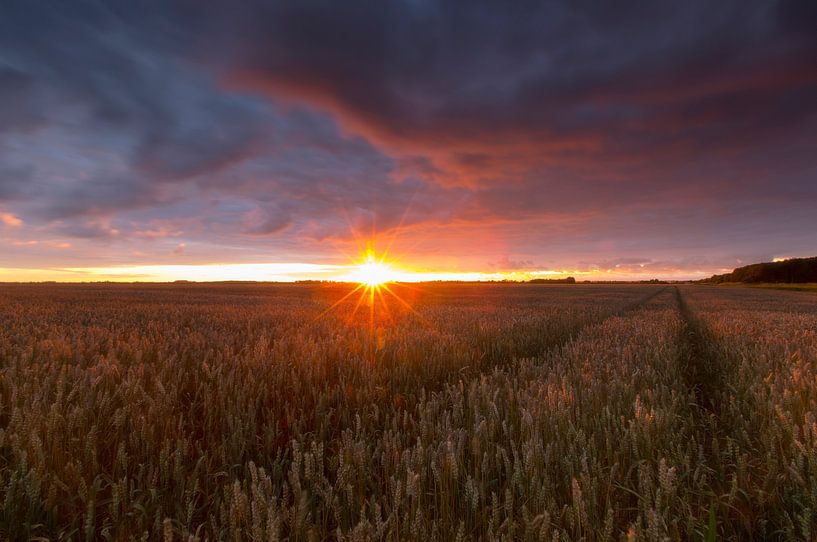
[444,412]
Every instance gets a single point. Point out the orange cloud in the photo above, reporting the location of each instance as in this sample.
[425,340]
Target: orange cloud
[10,220]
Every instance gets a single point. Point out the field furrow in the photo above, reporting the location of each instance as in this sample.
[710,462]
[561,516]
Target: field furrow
[482,412]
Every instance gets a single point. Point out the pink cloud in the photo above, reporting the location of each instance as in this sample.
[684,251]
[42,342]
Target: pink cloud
[10,220]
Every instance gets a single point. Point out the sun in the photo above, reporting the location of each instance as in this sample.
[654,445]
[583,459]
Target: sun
[378,286]
[373,273]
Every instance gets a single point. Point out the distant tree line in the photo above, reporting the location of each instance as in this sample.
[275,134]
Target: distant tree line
[568,280]
[788,271]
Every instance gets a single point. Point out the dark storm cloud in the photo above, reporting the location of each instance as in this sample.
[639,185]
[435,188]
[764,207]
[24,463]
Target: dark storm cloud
[599,78]
[111,112]
[112,81]
[554,106]
[314,119]
[331,187]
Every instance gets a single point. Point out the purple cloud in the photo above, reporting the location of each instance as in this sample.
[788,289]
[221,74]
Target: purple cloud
[545,130]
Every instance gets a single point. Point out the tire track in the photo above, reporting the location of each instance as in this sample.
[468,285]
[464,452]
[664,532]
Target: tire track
[638,302]
[700,359]
[560,340]
[503,360]
[707,372]
[629,306]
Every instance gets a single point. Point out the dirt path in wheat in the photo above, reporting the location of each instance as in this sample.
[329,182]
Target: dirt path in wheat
[708,371]
[701,360]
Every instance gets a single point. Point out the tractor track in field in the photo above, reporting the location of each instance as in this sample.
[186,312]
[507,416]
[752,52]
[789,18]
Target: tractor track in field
[554,347]
[638,303]
[700,359]
[620,311]
[707,373]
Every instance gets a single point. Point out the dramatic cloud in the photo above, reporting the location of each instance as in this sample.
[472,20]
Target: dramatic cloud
[494,135]
[564,79]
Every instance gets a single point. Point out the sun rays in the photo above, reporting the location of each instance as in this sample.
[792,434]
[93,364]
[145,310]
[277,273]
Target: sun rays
[373,272]
[376,300]
[377,279]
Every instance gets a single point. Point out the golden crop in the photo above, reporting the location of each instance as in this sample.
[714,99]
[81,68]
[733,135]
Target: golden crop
[469,412]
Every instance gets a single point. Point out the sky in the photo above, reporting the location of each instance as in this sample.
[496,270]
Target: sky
[163,140]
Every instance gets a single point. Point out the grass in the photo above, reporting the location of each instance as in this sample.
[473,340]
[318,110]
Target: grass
[802,286]
[797,286]
[494,412]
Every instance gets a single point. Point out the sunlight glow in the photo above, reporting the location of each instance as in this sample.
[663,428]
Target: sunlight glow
[373,272]
[377,272]
[277,272]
